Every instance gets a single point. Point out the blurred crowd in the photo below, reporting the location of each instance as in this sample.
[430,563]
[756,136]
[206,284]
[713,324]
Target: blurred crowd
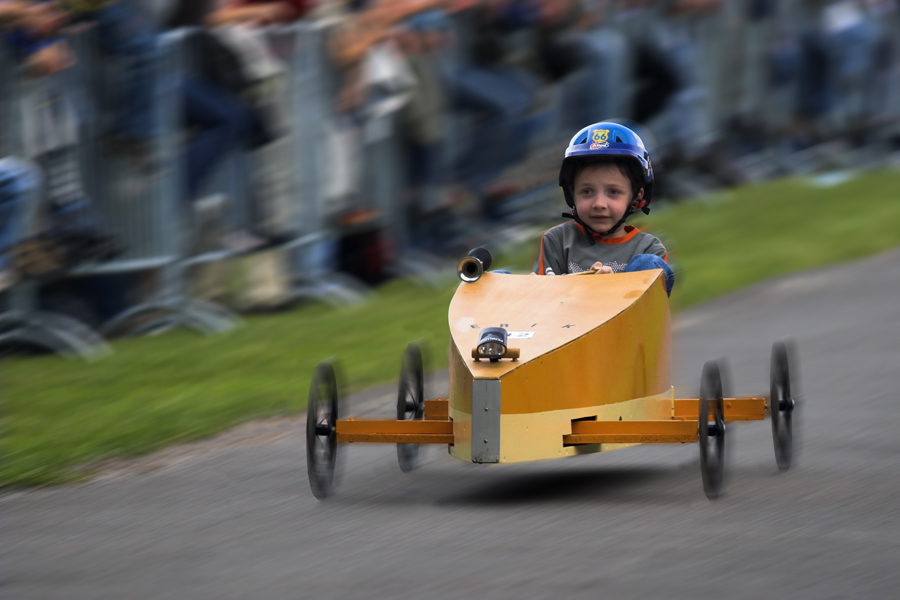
[476,97]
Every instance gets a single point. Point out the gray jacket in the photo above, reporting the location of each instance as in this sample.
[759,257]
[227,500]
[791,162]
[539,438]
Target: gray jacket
[565,249]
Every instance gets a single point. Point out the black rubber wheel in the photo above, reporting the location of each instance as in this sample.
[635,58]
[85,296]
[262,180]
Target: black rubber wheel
[321,435]
[410,402]
[781,406]
[711,435]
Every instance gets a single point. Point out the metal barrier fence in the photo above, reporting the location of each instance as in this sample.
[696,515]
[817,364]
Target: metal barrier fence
[148,211]
[141,208]
[728,54]
[23,322]
[281,183]
[310,88]
[292,191]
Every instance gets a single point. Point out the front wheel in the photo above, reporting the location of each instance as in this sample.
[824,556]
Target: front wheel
[781,406]
[410,402]
[321,430]
[711,435]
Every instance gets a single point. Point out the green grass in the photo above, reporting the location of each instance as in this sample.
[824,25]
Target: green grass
[742,236]
[180,386]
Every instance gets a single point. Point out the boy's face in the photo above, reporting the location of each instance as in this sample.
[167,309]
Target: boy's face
[602,195]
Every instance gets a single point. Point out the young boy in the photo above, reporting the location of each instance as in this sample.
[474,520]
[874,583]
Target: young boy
[606,175]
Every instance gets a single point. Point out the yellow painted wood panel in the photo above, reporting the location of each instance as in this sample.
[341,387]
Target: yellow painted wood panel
[626,357]
[557,310]
[539,436]
[460,405]
[600,348]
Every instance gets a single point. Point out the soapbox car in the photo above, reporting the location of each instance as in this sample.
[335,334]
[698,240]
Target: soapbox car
[547,367]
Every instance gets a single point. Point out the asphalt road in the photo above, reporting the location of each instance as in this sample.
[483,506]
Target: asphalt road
[234,518]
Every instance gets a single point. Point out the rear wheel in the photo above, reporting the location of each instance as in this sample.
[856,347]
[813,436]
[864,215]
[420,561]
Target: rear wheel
[410,402]
[321,424]
[711,430]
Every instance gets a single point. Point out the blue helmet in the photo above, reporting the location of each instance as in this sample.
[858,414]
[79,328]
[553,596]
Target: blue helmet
[607,139]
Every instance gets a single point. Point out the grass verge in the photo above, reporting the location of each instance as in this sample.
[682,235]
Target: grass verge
[178,387]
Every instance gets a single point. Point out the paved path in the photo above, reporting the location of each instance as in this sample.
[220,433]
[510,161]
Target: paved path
[234,518]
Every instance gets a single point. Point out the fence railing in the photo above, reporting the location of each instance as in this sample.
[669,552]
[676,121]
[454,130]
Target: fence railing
[284,184]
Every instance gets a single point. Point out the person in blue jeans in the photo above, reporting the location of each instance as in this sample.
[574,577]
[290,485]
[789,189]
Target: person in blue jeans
[19,185]
[500,96]
[220,120]
[126,32]
[606,176]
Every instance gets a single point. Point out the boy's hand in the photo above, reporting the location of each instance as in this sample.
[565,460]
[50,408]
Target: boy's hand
[599,269]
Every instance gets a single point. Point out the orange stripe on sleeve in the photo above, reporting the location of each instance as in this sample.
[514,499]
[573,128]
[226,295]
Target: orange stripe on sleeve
[541,258]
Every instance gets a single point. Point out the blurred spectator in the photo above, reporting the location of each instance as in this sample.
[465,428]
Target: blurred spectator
[784,61]
[372,79]
[246,29]
[884,87]
[601,87]
[371,83]
[125,32]
[213,110]
[500,96]
[258,12]
[422,37]
[19,182]
[468,87]
[653,78]
[852,36]
[47,128]
[815,93]
[683,127]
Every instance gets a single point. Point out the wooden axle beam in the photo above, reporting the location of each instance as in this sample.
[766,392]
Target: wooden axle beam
[438,429]
[631,432]
[395,432]
[736,409]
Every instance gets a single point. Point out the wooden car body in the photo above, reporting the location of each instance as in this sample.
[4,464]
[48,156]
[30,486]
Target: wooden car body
[594,347]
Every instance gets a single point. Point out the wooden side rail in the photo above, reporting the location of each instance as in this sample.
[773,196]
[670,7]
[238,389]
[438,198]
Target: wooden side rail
[631,432]
[736,409]
[395,432]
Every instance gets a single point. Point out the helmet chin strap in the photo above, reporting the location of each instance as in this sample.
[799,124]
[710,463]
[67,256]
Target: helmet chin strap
[635,204]
[588,231]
